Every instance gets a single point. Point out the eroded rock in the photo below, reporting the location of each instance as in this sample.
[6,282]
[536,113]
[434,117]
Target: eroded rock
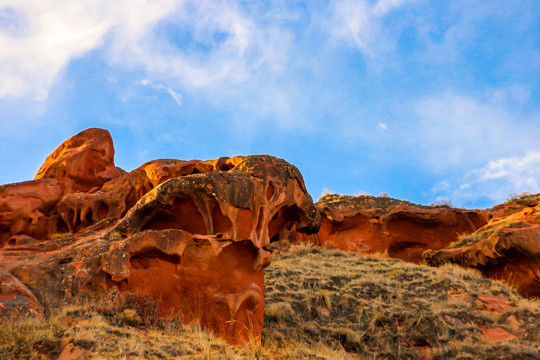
[28,208]
[398,229]
[507,248]
[82,162]
[192,235]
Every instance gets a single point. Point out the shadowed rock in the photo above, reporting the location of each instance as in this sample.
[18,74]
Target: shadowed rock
[189,234]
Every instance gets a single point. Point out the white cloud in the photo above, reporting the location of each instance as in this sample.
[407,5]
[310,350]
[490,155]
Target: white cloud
[225,51]
[383,126]
[494,181]
[360,22]
[38,39]
[177,97]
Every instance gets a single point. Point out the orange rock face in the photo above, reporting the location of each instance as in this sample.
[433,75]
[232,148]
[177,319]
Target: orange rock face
[192,235]
[28,208]
[398,229]
[507,248]
[82,162]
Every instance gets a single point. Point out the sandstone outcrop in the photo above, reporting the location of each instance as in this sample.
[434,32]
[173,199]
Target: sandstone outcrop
[82,162]
[191,235]
[398,229]
[28,208]
[507,248]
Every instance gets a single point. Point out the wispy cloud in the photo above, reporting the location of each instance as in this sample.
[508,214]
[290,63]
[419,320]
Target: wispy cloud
[177,97]
[453,130]
[38,39]
[494,182]
[361,24]
[222,50]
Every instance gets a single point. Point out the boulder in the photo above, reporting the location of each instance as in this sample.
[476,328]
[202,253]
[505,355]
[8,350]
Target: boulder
[28,208]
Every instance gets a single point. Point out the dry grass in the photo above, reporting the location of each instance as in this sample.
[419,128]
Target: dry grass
[101,331]
[485,231]
[371,202]
[524,198]
[320,304]
[389,309]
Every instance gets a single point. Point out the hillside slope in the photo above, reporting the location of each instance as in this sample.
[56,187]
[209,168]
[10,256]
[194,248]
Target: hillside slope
[320,304]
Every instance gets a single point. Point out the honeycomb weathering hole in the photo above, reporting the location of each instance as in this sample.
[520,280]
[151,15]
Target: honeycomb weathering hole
[183,214]
[282,217]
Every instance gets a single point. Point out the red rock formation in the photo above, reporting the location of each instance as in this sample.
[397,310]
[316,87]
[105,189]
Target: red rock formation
[507,248]
[16,301]
[80,210]
[189,234]
[399,229]
[28,208]
[82,162]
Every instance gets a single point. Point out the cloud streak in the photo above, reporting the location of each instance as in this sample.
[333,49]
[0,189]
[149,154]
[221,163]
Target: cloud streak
[177,97]
[453,128]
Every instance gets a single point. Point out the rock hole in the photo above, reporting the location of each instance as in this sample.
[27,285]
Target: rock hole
[282,217]
[102,211]
[89,220]
[222,224]
[270,191]
[259,222]
[65,261]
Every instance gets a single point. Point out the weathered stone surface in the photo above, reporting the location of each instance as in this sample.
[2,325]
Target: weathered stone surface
[398,229]
[28,208]
[16,301]
[82,162]
[192,235]
[507,248]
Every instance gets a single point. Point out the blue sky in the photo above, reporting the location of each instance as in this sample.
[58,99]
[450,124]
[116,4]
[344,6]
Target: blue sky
[422,100]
